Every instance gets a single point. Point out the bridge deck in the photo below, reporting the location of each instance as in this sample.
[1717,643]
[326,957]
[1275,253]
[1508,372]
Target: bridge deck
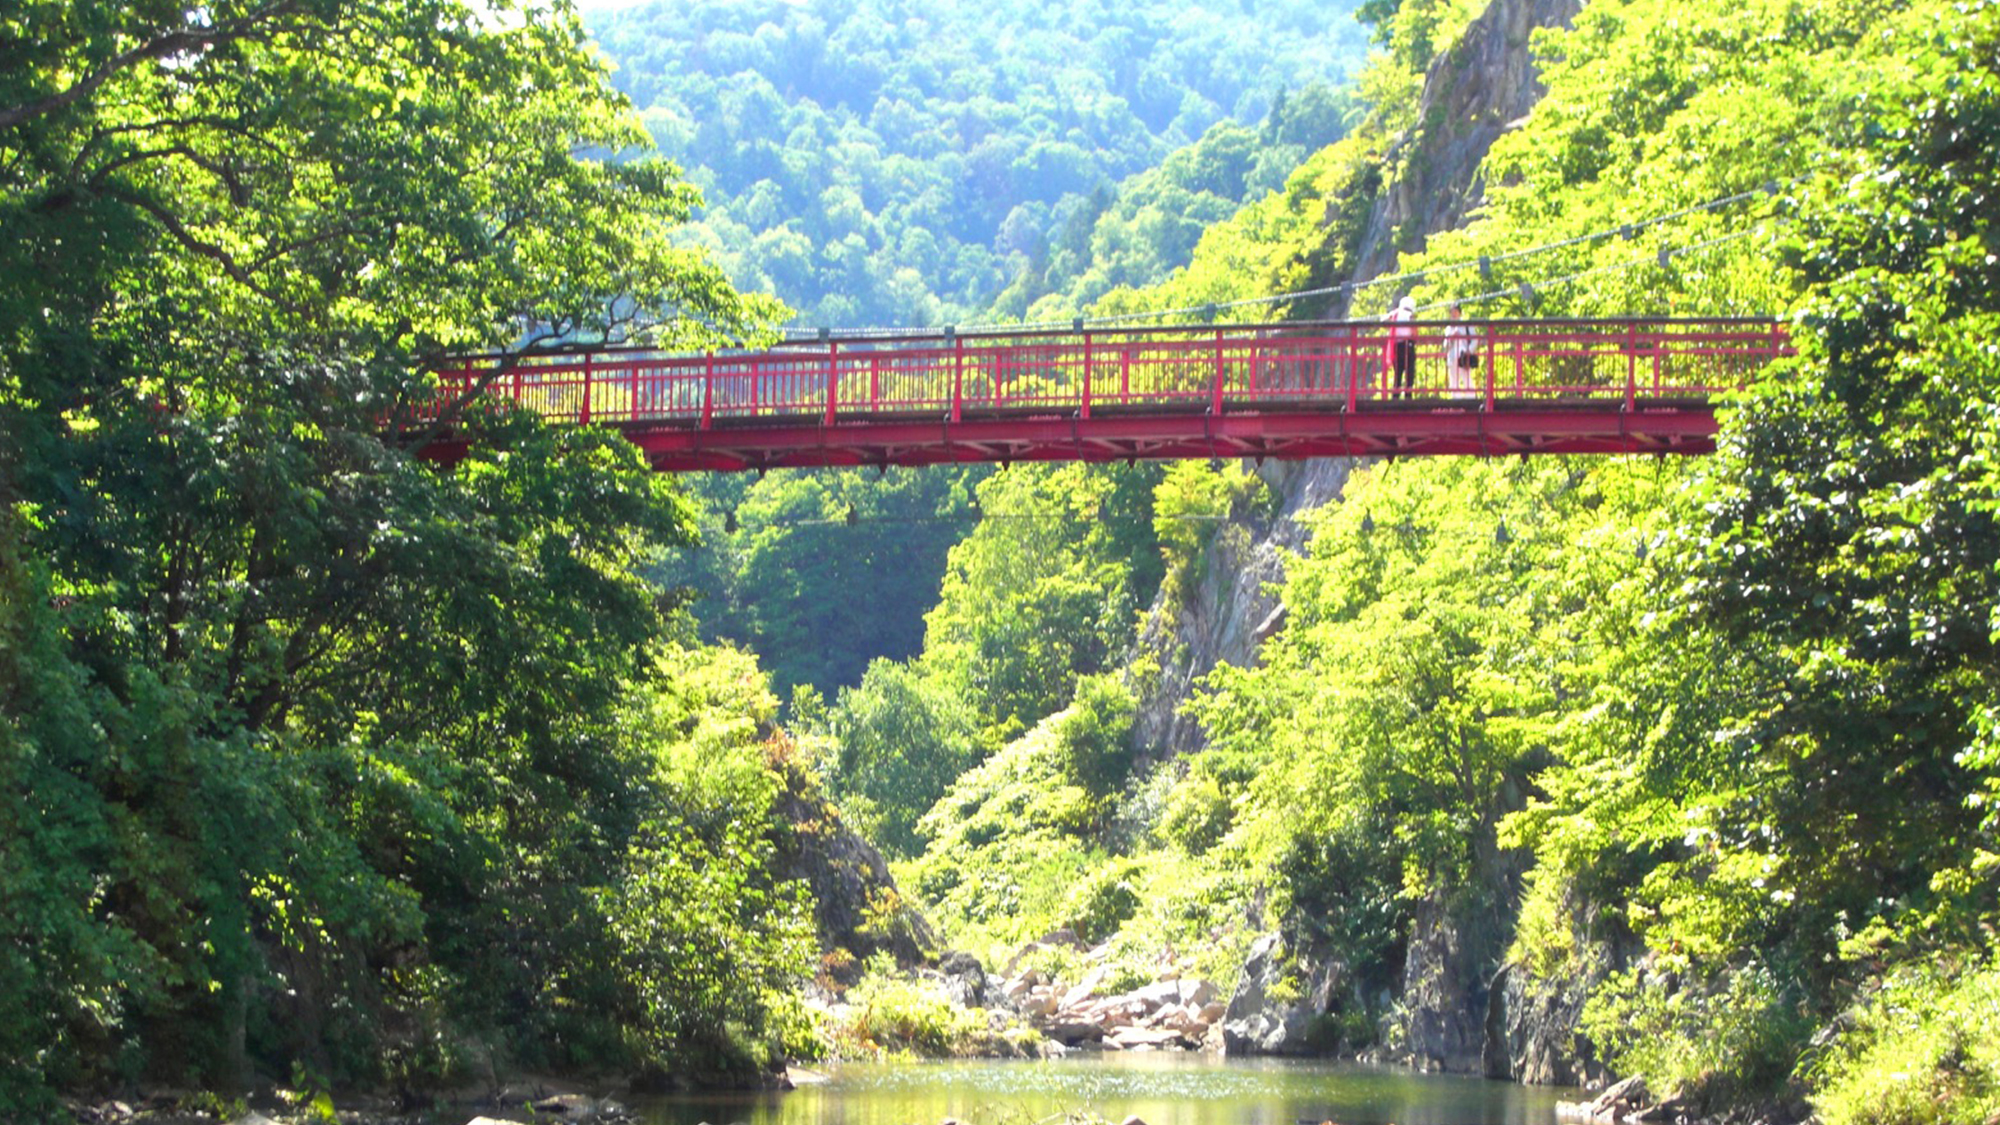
[1284,391]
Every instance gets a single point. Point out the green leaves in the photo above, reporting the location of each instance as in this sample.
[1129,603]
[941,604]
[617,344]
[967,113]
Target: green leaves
[900,739]
[1029,603]
[821,573]
[310,707]
[1010,838]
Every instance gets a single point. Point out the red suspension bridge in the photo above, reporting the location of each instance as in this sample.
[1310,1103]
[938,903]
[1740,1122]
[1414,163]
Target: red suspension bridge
[1284,391]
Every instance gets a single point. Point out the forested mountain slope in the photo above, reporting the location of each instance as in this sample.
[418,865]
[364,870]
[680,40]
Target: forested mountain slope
[901,162]
[324,766]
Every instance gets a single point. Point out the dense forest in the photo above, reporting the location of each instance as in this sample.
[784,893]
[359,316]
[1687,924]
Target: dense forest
[324,765]
[899,163]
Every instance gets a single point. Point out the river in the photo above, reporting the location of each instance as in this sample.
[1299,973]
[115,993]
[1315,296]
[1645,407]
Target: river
[1163,1089]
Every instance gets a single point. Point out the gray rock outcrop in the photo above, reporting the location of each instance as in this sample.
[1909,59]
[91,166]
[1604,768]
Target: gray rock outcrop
[1439,1023]
[1172,1013]
[849,879]
[963,979]
[1264,1018]
[1473,93]
[1234,608]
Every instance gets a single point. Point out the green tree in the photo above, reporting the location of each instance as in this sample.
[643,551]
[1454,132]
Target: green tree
[822,573]
[879,120]
[321,739]
[714,946]
[1851,536]
[1028,604]
[899,740]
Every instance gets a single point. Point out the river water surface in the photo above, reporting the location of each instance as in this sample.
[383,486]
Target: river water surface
[1163,1089]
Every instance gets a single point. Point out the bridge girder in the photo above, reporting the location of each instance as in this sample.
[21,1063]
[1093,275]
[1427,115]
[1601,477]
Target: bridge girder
[1417,428]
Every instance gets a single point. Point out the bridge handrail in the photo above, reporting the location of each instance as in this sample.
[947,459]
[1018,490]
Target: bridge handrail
[1261,328]
[1341,365]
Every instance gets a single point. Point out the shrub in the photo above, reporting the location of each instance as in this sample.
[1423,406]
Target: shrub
[1731,1038]
[1924,1051]
[1103,900]
[894,1013]
[1198,814]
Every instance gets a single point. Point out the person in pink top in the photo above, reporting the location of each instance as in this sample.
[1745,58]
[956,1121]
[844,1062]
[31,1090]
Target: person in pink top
[1402,347]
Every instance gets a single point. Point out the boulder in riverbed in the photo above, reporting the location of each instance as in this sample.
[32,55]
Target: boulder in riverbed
[1071,1032]
[1615,1103]
[1139,1038]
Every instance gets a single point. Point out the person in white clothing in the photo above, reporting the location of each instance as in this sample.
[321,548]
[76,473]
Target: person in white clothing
[1461,353]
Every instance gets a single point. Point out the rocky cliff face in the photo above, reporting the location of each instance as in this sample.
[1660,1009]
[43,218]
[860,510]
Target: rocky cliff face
[1232,609]
[1258,1022]
[1532,1020]
[1472,94]
[1454,1013]
[857,910]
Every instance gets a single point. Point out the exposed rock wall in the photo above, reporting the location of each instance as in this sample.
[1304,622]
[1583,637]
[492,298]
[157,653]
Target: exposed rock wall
[857,910]
[1440,1021]
[1531,1030]
[1533,1021]
[1473,93]
[1258,1022]
[1233,608]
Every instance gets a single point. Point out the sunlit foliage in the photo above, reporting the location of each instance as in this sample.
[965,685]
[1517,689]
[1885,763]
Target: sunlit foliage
[313,754]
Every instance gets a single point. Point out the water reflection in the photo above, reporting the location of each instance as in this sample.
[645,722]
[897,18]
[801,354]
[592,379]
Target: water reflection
[1163,1089]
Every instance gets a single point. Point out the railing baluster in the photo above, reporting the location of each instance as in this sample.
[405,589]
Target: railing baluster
[1085,413]
[1631,367]
[1215,398]
[1492,366]
[708,390]
[1353,364]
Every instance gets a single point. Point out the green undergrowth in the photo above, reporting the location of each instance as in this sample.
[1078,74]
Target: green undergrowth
[1730,1042]
[1925,1050]
[1055,836]
[889,1012]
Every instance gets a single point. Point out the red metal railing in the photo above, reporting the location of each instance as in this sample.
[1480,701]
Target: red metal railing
[1613,366]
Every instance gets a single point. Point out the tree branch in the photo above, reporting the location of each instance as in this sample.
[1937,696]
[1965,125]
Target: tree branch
[187,238]
[160,46]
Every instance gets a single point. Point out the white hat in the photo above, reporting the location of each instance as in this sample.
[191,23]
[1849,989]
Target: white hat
[1409,302]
